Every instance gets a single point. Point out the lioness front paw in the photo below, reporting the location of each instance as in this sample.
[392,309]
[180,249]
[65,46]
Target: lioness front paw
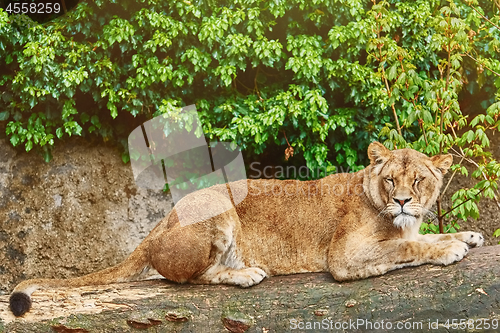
[473,239]
[452,251]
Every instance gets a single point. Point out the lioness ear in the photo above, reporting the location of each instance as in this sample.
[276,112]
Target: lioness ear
[442,162]
[377,153]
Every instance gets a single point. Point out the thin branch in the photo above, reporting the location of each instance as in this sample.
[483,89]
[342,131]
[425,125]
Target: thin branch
[289,149]
[477,61]
[484,17]
[443,109]
[471,161]
[255,83]
[483,174]
[425,134]
[244,86]
[392,105]
[440,216]
[268,74]
[448,65]
[460,204]
[396,118]
[398,127]
[63,2]
[451,178]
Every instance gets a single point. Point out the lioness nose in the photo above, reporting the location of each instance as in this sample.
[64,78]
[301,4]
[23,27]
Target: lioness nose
[401,201]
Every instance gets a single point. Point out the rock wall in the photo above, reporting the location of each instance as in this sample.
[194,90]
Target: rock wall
[77,214]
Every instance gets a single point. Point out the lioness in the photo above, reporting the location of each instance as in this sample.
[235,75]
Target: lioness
[352,225]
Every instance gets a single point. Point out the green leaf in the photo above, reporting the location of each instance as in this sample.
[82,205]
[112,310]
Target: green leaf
[113,109]
[198,131]
[95,121]
[392,72]
[4,115]
[59,132]
[125,157]
[470,136]
[14,139]
[84,118]
[257,138]
[29,145]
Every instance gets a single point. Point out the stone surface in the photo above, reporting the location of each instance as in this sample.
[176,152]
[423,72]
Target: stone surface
[79,213]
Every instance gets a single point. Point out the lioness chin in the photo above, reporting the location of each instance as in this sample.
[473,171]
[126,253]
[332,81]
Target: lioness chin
[351,225]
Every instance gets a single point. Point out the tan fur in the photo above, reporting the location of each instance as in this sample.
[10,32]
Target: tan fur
[351,225]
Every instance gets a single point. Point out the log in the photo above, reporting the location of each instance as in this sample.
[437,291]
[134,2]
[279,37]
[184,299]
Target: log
[419,298]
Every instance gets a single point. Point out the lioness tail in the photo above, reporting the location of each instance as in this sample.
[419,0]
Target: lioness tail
[128,270]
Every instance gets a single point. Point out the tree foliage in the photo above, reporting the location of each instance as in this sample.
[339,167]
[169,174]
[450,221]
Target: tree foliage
[431,102]
[320,78]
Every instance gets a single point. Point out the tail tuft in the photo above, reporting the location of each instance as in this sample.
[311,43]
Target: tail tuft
[20,303]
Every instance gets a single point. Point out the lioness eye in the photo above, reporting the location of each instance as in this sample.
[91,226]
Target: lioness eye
[390,180]
[416,181]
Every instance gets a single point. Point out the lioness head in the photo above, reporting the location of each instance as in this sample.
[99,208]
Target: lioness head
[404,183]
